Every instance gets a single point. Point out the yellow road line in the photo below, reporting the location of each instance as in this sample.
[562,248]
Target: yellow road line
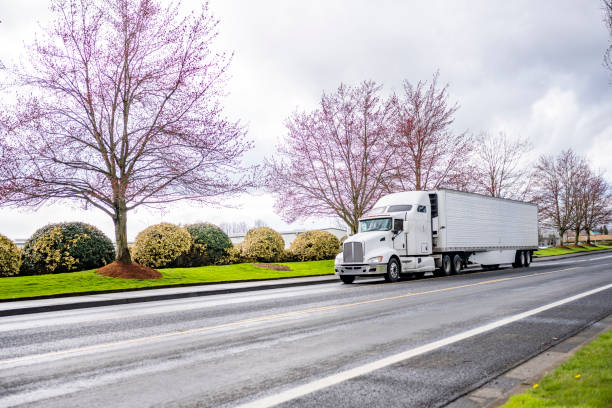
[268,318]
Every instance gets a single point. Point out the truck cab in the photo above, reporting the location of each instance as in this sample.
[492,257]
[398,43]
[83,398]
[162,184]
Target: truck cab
[395,237]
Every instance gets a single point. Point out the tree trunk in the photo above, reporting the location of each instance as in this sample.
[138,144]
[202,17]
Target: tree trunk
[561,232]
[120,220]
[577,236]
[588,232]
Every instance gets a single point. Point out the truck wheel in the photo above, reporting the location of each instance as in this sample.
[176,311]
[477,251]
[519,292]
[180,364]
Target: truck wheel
[347,279]
[393,271]
[519,259]
[456,265]
[446,267]
[527,259]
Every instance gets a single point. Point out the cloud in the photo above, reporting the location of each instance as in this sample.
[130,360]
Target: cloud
[531,69]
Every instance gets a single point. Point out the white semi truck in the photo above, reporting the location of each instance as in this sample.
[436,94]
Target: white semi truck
[440,231]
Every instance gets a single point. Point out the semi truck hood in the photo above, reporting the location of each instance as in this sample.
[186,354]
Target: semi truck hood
[371,239]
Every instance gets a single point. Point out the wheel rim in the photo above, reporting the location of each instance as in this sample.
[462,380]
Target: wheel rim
[523,259]
[393,270]
[458,265]
[527,258]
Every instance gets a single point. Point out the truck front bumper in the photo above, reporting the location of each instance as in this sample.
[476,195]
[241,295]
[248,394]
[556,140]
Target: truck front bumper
[361,269]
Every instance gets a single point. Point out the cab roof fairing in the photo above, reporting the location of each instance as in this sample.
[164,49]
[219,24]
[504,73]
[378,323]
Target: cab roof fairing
[405,197]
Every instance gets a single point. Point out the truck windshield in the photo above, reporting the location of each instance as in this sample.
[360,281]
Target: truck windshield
[375,224]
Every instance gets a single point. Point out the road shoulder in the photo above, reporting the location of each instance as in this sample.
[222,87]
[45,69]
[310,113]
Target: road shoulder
[515,381]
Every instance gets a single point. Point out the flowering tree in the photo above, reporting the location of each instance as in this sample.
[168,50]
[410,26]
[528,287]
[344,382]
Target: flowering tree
[334,159]
[499,168]
[428,155]
[597,204]
[119,107]
[556,184]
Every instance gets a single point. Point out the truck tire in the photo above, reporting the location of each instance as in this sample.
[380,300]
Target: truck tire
[519,259]
[347,279]
[527,259]
[393,270]
[445,268]
[456,265]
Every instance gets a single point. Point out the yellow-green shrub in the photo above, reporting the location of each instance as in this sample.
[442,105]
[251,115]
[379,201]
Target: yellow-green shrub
[263,244]
[315,245]
[66,247]
[161,245]
[10,257]
[233,255]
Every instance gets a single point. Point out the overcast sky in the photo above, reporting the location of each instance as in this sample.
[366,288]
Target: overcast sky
[530,69]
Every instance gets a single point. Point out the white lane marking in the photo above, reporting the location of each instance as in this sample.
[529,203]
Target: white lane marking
[334,379]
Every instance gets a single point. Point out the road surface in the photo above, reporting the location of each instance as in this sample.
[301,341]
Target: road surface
[415,343]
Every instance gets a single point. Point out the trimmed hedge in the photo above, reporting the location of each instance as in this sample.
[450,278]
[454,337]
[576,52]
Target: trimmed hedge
[263,244]
[10,257]
[315,246]
[161,245]
[209,244]
[66,247]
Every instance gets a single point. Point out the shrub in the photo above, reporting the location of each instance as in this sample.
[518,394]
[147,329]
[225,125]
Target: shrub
[10,257]
[233,256]
[263,244]
[315,245]
[161,245]
[65,247]
[209,244]
[288,256]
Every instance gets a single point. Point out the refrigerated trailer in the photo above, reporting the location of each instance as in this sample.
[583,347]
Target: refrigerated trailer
[439,231]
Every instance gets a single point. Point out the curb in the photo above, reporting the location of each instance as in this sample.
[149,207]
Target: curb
[152,298]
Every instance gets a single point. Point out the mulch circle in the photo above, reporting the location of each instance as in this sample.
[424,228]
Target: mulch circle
[128,271]
[273,267]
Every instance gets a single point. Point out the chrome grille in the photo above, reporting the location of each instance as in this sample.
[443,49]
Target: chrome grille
[353,252]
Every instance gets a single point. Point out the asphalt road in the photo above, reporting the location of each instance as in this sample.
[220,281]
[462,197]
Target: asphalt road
[416,343]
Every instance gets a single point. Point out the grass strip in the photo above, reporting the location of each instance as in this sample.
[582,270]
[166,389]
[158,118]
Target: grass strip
[569,250]
[585,380]
[16,287]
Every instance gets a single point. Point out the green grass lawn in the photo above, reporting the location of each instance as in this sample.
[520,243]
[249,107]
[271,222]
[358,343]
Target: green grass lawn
[570,250]
[89,281]
[585,380]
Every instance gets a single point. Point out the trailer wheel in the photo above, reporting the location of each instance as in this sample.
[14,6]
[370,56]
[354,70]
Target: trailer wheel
[393,270]
[517,260]
[347,279]
[456,265]
[527,259]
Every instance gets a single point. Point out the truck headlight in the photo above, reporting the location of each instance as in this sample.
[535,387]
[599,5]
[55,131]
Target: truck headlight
[338,259]
[375,259]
